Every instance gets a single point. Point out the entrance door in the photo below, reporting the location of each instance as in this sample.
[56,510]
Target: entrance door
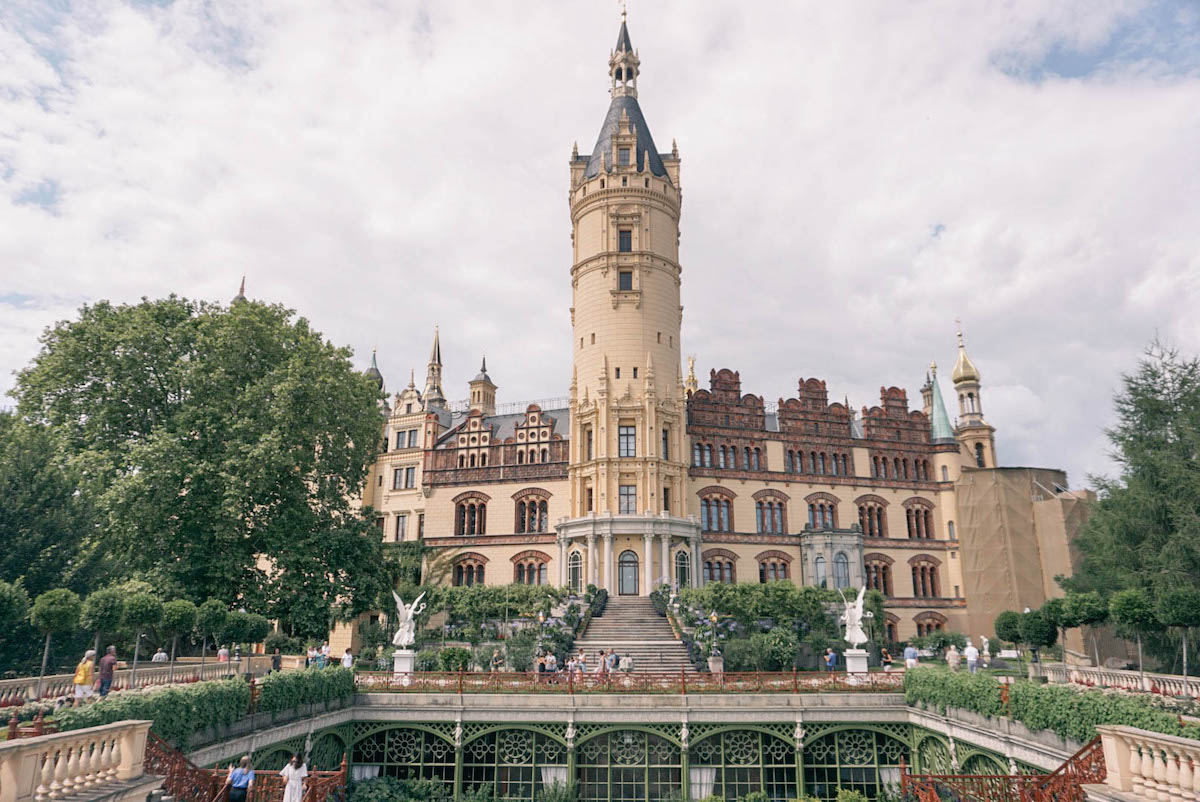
[628,571]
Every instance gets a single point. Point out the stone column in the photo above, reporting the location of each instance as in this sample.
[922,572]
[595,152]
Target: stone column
[609,584]
[592,558]
[562,562]
[666,557]
[697,574]
[648,577]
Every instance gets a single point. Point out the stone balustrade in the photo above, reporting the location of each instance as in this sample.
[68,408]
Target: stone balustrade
[94,761]
[24,689]
[1148,765]
[1168,684]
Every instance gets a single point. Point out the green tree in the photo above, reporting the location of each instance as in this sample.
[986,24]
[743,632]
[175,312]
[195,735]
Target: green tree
[210,622]
[178,618]
[1008,627]
[1133,612]
[213,437]
[142,612]
[1180,607]
[103,611]
[54,612]
[14,607]
[1037,630]
[1143,531]
[46,526]
[1055,611]
[1086,609]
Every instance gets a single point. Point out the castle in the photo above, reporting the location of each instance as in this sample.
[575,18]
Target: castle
[639,476]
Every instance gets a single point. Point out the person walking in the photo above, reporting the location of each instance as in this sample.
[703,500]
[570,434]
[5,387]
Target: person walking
[497,661]
[83,678]
[108,665]
[885,657]
[223,654]
[347,659]
[293,774]
[601,663]
[830,660]
[614,660]
[239,782]
[910,656]
[953,658]
[326,654]
[627,664]
[972,655]
[276,661]
[310,658]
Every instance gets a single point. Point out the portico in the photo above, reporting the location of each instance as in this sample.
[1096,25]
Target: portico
[629,555]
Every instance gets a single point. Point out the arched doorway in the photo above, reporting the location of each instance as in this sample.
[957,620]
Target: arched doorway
[575,571]
[683,573]
[627,571]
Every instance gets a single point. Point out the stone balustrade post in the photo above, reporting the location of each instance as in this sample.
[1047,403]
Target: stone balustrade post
[1147,765]
[63,764]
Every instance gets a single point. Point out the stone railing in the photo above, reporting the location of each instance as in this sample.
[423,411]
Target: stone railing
[1168,684]
[1148,765]
[90,761]
[24,689]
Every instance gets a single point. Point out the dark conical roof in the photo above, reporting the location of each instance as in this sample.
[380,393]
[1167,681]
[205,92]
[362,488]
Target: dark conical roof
[602,153]
[373,372]
[623,42]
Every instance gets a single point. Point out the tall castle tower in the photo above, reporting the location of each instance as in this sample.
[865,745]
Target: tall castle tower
[627,402]
[977,436]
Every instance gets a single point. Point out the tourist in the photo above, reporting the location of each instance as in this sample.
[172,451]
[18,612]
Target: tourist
[160,656]
[601,663]
[572,667]
[885,657]
[972,655]
[239,782]
[552,663]
[830,660]
[910,656]
[311,657]
[276,661]
[223,654]
[83,678]
[497,661]
[293,774]
[627,664]
[108,664]
[347,659]
[326,654]
[953,658]
[614,660]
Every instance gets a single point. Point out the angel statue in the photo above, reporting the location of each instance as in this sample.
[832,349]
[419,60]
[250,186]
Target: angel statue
[406,617]
[853,616]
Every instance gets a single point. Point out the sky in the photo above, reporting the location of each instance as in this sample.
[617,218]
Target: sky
[856,177]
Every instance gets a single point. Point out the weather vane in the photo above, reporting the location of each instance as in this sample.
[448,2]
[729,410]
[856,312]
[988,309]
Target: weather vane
[622,10]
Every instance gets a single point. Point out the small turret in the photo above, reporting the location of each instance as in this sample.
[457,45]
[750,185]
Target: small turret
[373,372]
[240,298]
[483,391]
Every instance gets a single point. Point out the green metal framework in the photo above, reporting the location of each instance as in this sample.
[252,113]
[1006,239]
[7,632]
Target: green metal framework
[640,762]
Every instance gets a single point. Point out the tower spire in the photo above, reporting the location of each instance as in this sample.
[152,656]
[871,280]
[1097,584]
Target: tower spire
[241,295]
[433,394]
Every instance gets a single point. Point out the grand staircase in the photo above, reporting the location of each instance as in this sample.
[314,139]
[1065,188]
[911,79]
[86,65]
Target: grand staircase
[632,627]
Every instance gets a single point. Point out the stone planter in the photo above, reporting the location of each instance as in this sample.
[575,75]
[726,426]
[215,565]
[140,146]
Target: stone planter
[716,664]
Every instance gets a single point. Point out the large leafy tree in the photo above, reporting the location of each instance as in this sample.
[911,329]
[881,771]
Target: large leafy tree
[222,446]
[1145,530]
[45,525]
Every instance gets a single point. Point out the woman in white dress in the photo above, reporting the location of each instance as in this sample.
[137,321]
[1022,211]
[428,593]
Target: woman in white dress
[293,774]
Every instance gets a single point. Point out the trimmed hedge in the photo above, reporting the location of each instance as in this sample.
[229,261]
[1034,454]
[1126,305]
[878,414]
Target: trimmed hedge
[177,711]
[1062,709]
[180,711]
[287,689]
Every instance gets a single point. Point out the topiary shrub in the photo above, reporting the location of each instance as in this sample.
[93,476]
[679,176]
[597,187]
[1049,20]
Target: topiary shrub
[454,658]
[286,644]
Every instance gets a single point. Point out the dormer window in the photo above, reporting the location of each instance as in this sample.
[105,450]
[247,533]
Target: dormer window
[623,157]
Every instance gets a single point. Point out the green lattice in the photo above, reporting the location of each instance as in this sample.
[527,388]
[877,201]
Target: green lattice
[515,764]
[933,756]
[856,758]
[628,765]
[983,763]
[734,762]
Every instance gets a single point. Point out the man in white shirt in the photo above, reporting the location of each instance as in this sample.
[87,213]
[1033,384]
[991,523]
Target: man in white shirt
[159,657]
[972,655]
[347,660]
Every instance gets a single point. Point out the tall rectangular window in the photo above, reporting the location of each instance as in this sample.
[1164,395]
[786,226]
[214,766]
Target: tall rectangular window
[625,281]
[590,499]
[666,444]
[628,500]
[623,156]
[627,441]
[412,438]
[420,524]
[625,240]
[401,527]
[397,478]
[590,449]
[400,439]
[410,477]
[666,499]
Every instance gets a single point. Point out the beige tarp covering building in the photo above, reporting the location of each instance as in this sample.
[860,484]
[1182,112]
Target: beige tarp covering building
[1017,526]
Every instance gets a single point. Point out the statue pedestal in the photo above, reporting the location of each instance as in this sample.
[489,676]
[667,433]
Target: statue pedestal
[856,661]
[403,661]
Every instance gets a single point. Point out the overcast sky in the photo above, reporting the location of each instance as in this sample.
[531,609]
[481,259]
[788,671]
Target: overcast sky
[855,177]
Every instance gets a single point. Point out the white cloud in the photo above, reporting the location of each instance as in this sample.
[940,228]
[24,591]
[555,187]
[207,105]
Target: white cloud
[385,166]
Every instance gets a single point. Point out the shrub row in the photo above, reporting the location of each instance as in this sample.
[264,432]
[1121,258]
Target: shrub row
[177,711]
[1062,709]
[288,689]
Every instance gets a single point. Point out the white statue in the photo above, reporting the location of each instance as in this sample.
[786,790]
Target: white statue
[984,652]
[406,617]
[853,616]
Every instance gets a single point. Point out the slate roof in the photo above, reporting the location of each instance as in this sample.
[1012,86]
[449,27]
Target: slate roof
[602,153]
[623,42]
[503,426]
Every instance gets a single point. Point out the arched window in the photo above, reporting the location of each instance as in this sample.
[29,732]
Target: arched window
[835,465]
[757,455]
[819,572]
[879,574]
[696,458]
[545,455]
[871,516]
[520,457]
[787,461]
[845,470]
[841,570]
[469,570]
[904,467]
[708,456]
[683,572]
[926,583]
[575,571]
[721,457]
[462,461]
[470,515]
[746,458]
[719,566]
[799,462]
[812,462]
[715,510]
[521,513]
[704,515]
[821,462]
[772,566]
[950,530]
[979,455]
